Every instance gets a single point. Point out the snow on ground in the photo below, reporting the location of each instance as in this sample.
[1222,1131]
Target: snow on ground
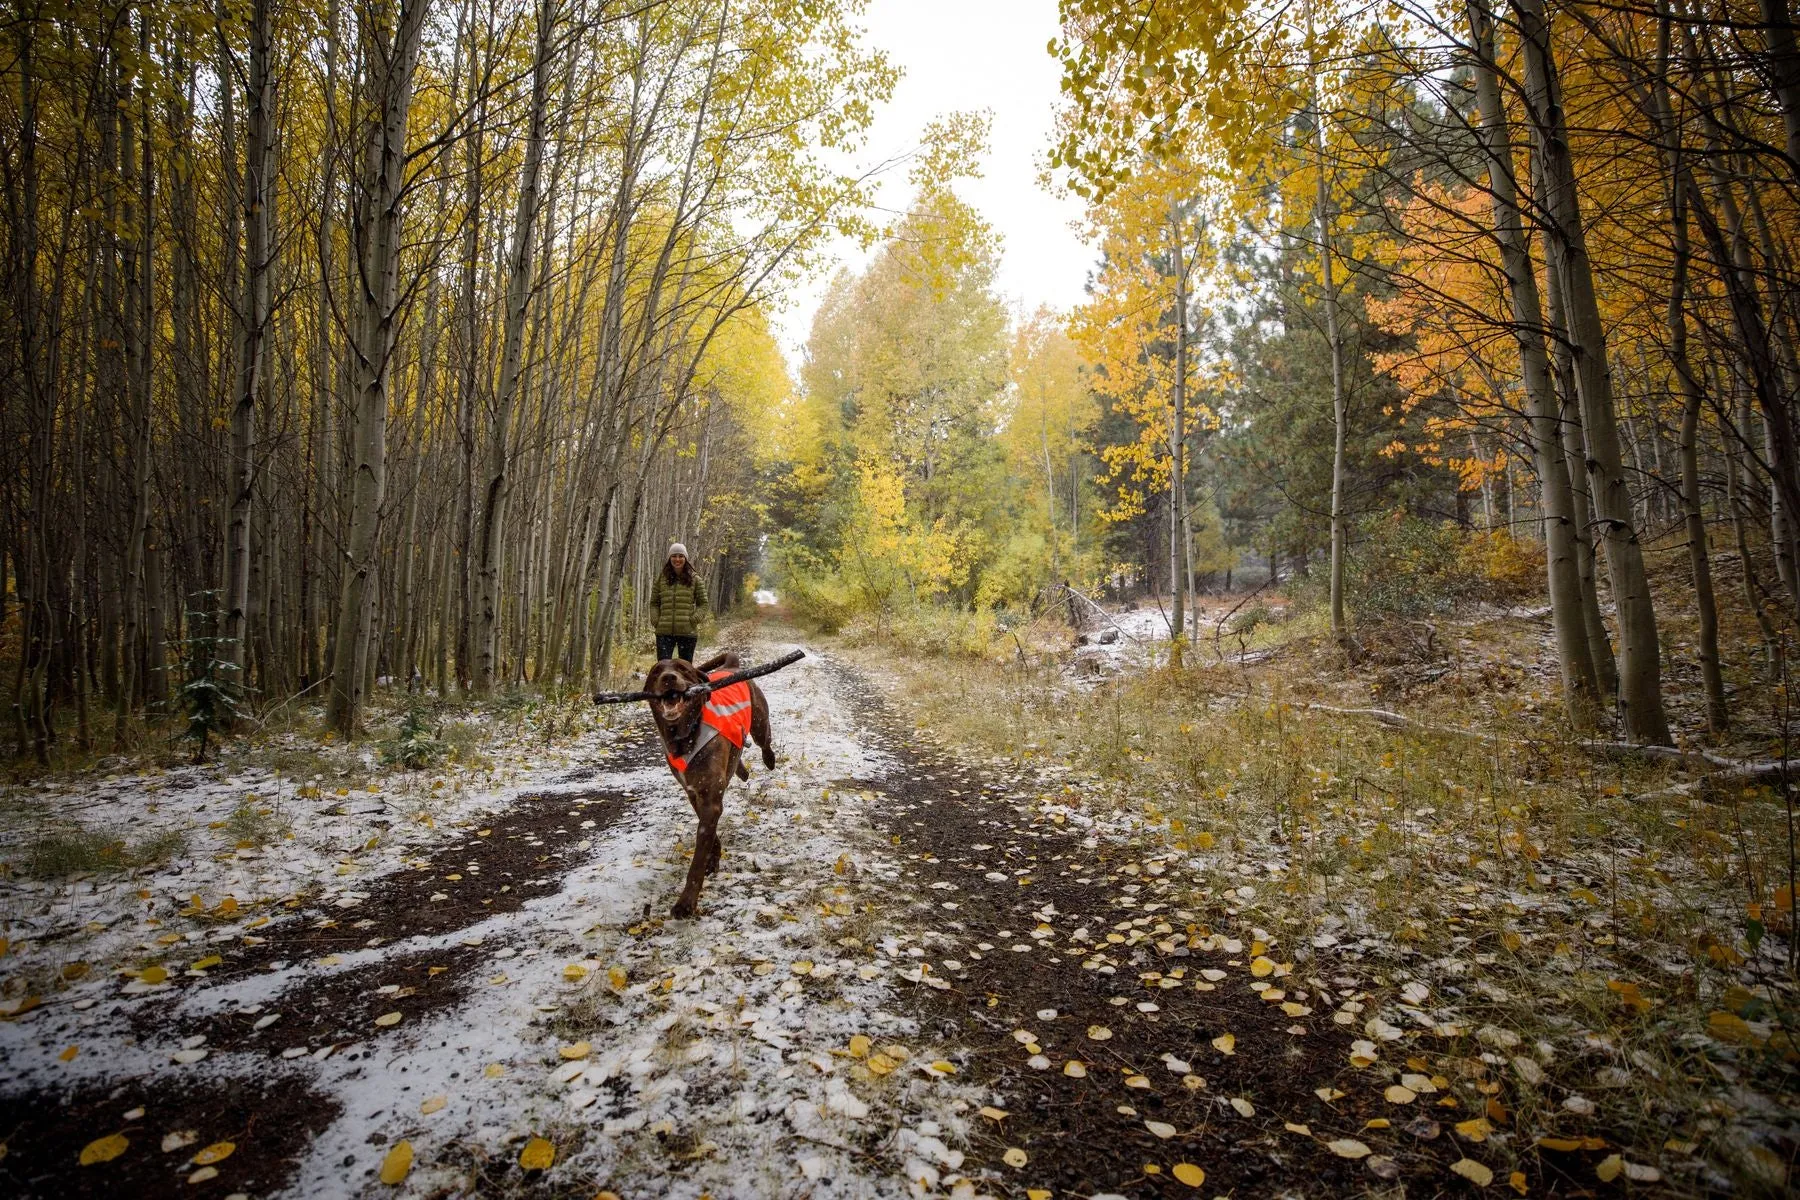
[1139,636]
[335,840]
[753,1046]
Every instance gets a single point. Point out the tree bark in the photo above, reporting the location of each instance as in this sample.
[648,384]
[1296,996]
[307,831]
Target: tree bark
[521,263]
[1784,70]
[390,56]
[1640,668]
[1718,717]
[1599,638]
[1557,501]
[138,219]
[1340,414]
[1177,444]
[253,323]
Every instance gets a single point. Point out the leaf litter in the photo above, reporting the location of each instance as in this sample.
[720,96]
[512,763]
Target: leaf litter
[818,941]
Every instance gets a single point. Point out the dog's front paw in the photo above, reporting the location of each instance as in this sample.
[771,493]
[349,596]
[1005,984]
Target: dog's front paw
[684,908]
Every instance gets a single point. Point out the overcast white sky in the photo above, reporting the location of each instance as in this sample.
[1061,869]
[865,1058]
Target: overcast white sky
[972,54]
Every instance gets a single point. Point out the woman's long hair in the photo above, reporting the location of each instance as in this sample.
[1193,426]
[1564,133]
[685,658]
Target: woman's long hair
[684,576]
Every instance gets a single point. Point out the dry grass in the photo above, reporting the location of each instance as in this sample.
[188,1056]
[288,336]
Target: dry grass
[65,852]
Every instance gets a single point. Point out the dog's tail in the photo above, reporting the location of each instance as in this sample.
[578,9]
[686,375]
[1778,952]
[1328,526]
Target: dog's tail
[724,658]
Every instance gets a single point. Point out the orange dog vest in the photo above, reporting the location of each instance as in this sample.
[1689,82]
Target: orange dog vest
[727,712]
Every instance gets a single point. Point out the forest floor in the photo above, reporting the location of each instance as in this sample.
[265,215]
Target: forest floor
[965,941]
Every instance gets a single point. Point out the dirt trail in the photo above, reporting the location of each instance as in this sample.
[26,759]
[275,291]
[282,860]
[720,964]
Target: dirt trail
[1046,929]
[979,936]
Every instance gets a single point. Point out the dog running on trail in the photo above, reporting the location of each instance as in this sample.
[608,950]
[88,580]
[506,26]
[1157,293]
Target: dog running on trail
[703,739]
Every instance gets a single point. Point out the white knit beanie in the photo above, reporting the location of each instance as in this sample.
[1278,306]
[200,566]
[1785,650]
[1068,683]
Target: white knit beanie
[678,548]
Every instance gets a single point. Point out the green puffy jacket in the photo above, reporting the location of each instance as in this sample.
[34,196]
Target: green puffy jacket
[677,606]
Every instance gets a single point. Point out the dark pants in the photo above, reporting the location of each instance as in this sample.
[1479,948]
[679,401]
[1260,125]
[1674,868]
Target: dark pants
[669,645]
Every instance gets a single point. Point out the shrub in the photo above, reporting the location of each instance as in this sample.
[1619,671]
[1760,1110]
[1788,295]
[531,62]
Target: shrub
[415,745]
[1401,567]
[933,631]
[1512,568]
[1249,618]
[253,824]
[820,603]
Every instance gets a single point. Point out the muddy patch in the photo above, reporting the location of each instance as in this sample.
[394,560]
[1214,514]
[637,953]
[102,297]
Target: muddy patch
[319,1015]
[496,868]
[268,1123]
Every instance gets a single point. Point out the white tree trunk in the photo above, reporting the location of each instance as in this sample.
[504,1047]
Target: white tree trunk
[389,57]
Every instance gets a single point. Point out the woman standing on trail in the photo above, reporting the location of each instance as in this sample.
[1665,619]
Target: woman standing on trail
[677,600]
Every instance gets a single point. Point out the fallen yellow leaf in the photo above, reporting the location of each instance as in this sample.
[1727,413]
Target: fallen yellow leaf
[217,1152]
[1476,1129]
[1729,1027]
[578,1050]
[1189,1174]
[538,1155]
[104,1149]
[1014,1157]
[1476,1173]
[433,1104]
[860,1046]
[386,1019]
[1225,1043]
[397,1164]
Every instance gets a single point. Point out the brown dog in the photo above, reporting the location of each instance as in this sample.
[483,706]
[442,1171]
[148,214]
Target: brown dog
[704,741]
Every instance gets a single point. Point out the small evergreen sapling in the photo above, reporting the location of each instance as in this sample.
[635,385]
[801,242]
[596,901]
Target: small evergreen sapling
[211,691]
[415,745]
